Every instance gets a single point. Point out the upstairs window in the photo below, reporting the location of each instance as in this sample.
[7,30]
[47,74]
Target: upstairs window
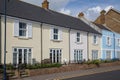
[118,41]
[108,41]
[22,29]
[78,37]
[95,39]
[55,34]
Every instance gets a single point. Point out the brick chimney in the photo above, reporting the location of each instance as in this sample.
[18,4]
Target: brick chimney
[102,17]
[45,4]
[81,14]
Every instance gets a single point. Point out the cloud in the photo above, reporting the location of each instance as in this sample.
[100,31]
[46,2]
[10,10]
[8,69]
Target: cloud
[54,4]
[108,8]
[65,11]
[94,12]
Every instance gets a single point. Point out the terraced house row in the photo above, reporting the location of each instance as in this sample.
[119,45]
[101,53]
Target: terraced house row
[38,33]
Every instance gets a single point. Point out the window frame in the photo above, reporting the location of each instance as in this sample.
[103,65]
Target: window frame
[55,33]
[118,42]
[110,54]
[22,29]
[23,55]
[108,40]
[95,39]
[78,37]
[56,55]
[95,54]
[78,55]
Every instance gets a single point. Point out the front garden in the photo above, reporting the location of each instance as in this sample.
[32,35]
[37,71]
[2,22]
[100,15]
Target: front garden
[48,68]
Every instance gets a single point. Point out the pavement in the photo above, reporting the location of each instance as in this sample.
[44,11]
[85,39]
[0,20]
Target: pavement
[66,75]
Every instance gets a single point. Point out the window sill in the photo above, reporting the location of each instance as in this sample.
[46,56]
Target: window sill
[56,40]
[25,38]
[109,45]
[78,42]
[95,44]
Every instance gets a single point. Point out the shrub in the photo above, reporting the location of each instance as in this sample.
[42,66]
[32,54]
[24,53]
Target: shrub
[89,62]
[9,66]
[97,62]
[38,66]
[46,61]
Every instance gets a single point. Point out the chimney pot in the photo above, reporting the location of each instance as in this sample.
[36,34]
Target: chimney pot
[45,4]
[103,12]
[81,14]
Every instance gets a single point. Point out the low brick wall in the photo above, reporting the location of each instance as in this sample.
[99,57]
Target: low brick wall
[67,68]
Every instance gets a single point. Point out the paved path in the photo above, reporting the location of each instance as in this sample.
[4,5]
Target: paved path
[71,74]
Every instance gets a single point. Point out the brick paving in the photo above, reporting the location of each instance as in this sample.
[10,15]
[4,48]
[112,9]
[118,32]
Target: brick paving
[64,75]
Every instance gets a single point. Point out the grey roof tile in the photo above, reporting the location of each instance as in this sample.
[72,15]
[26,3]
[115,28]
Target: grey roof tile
[16,8]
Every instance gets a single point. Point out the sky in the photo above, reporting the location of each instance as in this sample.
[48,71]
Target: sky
[90,8]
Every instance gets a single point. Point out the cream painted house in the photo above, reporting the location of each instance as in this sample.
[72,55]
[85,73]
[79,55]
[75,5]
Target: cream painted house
[55,43]
[94,40]
[94,46]
[22,40]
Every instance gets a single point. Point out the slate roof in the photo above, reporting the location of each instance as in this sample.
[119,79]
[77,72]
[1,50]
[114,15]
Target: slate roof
[101,26]
[19,9]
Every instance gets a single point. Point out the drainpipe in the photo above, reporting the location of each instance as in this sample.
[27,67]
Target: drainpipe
[0,41]
[5,19]
[114,44]
[69,46]
[88,45]
[41,43]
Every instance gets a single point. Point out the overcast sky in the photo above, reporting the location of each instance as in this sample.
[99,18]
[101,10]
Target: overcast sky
[91,8]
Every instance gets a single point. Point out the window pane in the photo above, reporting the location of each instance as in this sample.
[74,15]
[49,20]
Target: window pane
[78,34]
[56,31]
[29,58]
[78,39]
[55,36]
[25,55]
[20,56]
[15,49]
[15,59]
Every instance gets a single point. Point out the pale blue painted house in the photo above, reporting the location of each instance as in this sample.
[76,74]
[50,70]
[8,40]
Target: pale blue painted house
[117,45]
[108,43]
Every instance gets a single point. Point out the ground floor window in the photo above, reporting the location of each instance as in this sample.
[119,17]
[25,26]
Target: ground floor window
[55,55]
[108,54]
[78,55]
[22,55]
[94,54]
[118,54]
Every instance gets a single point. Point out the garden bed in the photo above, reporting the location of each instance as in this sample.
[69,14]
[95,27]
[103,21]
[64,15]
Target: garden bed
[70,67]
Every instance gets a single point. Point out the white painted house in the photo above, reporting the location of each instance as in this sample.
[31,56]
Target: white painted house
[78,43]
